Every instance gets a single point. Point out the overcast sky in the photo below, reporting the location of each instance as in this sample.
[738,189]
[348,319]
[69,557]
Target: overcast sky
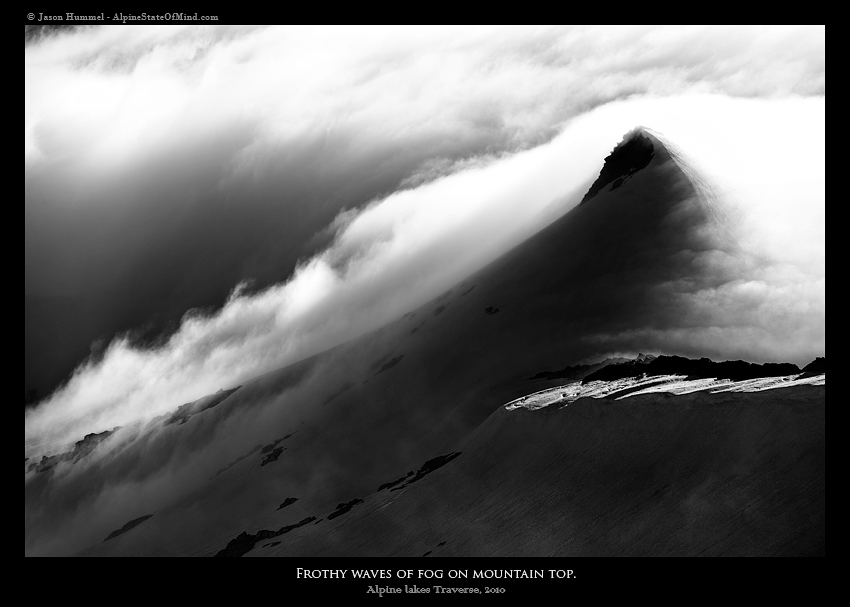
[205,204]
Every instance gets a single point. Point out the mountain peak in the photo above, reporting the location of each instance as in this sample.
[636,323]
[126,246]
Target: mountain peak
[632,154]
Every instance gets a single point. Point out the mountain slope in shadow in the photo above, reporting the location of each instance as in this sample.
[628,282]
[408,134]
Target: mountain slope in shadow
[368,411]
[726,474]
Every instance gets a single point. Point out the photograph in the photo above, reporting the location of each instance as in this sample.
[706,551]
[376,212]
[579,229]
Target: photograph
[363,292]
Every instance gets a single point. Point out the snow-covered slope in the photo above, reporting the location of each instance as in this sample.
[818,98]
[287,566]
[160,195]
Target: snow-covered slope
[671,384]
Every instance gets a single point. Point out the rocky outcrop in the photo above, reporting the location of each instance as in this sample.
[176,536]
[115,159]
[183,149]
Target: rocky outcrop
[287,502]
[244,542]
[816,367]
[272,452]
[236,461]
[392,363]
[631,155]
[344,507]
[81,449]
[273,456]
[135,522]
[428,467]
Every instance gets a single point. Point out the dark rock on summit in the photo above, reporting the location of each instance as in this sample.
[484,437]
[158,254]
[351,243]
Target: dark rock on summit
[631,155]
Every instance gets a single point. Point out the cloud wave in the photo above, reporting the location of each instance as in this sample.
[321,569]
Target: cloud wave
[399,161]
